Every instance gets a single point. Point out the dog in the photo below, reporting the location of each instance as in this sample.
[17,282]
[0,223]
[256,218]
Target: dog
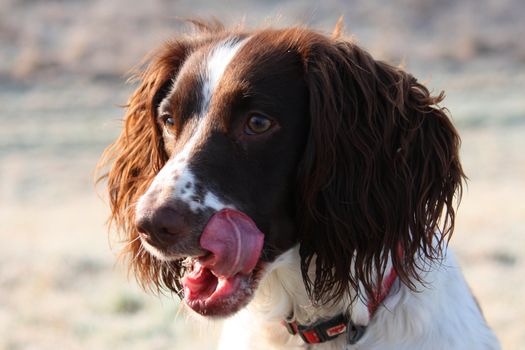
[291,183]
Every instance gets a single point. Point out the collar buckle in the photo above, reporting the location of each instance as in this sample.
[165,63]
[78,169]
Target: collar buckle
[320,331]
[324,330]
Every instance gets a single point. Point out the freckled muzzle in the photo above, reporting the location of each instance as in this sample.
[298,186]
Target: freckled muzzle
[171,215]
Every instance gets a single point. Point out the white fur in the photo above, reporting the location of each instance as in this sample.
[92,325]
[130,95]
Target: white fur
[156,252]
[177,181]
[218,60]
[441,315]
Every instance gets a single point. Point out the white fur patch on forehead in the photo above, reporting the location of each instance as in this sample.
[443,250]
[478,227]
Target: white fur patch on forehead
[211,72]
[217,62]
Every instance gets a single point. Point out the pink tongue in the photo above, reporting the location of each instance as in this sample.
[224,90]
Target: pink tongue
[234,241]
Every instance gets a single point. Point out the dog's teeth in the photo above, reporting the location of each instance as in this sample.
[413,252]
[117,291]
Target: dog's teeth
[188,263]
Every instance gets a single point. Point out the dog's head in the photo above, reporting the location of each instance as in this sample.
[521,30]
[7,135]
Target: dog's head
[239,145]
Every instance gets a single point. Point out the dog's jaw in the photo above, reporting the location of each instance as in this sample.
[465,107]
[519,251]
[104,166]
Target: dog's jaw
[223,282]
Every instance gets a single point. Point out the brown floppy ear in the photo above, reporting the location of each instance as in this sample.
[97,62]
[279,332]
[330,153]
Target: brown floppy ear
[137,156]
[379,173]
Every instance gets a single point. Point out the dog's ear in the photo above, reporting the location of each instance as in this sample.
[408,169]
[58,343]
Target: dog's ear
[379,174]
[137,156]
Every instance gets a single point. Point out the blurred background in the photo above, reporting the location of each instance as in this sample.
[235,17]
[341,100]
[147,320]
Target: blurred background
[63,70]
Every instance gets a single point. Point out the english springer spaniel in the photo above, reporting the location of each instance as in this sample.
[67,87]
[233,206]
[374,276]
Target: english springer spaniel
[289,182]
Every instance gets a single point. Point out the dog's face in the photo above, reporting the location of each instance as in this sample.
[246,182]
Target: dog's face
[233,123]
[237,146]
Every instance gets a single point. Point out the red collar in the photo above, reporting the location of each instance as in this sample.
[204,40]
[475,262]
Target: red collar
[379,296]
[320,331]
[324,330]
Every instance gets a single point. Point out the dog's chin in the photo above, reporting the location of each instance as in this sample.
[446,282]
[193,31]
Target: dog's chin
[219,296]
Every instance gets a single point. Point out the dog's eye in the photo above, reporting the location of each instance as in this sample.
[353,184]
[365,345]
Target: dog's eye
[167,120]
[257,124]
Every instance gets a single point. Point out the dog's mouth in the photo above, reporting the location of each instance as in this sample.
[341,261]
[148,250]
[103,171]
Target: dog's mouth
[222,282]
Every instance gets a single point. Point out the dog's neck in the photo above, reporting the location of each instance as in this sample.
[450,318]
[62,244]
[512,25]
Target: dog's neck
[440,315]
[282,294]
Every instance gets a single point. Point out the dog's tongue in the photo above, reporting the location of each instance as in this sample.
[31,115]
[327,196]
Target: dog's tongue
[234,242]
[215,282]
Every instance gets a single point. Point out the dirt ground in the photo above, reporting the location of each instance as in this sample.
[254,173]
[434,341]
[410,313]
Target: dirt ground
[63,66]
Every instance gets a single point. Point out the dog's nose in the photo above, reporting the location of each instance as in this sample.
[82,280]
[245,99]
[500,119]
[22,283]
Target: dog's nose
[162,225]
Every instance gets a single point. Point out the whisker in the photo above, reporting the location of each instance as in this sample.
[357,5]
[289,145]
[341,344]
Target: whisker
[129,243]
[138,254]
